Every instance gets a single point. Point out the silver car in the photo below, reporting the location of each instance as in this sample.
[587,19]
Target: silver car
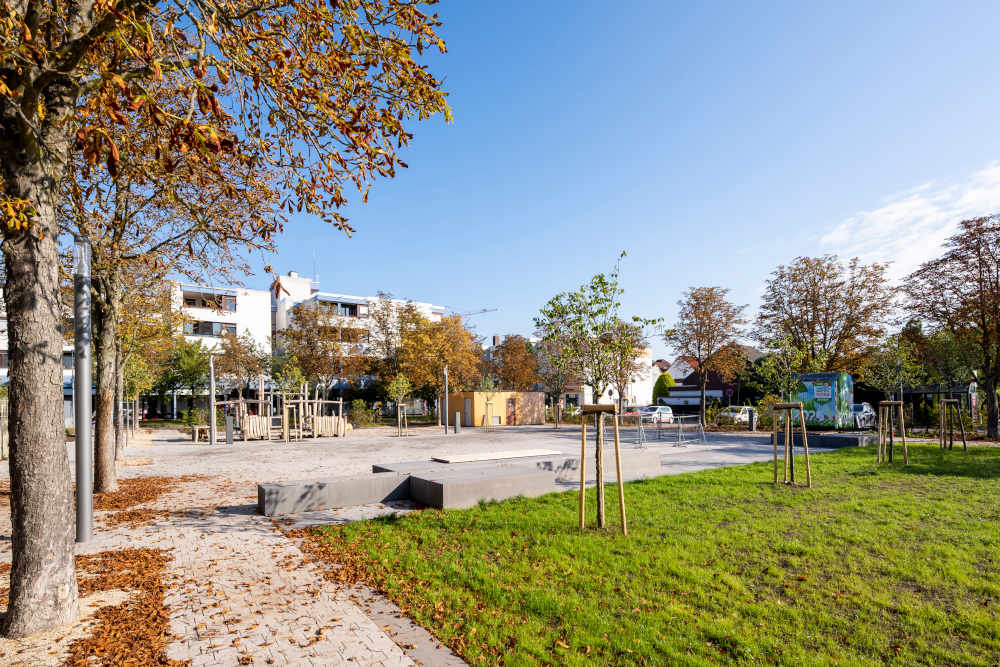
[657,414]
[864,416]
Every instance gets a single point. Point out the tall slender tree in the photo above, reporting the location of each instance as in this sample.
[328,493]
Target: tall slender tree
[317,91]
[326,348]
[554,366]
[627,346]
[150,219]
[833,312]
[426,347]
[707,329]
[240,360]
[514,363]
[959,293]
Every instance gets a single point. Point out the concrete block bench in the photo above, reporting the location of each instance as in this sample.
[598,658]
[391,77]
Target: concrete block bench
[291,497]
[636,464]
[459,488]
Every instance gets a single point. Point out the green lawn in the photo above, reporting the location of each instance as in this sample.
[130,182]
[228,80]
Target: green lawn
[874,564]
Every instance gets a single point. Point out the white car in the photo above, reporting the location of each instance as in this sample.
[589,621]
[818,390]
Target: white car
[864,415]
[657,414]
[735,414]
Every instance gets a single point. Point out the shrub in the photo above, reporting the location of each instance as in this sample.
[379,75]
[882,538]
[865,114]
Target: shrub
[361,413]
[193,417]
[764,417]
[662,387]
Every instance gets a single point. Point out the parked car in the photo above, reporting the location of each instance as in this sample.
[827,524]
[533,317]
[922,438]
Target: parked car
[657,414]
[735,414]
[864,415]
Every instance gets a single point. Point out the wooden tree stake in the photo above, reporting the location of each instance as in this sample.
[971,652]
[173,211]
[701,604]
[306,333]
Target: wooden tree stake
[786,411]
[598,411]
[887,410]
[583,472]
[621,483]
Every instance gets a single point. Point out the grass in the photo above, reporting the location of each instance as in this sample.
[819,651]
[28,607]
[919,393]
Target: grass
[874,564]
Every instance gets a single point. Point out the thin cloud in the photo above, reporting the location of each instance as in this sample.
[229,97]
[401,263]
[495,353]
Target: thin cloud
[910,227]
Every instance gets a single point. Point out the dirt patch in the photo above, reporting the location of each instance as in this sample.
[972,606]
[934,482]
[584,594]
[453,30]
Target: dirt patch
[123,618]
[136,631]
[48,649]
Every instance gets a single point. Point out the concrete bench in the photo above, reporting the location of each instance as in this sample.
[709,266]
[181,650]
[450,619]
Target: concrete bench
[636,464]
[292,497]
[453,489]
[447,486]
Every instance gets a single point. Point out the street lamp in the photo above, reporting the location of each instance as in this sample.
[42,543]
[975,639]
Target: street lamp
[211,398]
[81,389]
[445,415]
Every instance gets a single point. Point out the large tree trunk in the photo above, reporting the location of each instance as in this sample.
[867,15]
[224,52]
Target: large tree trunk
[992,409]
[43,591]
[105,348]
[120,436]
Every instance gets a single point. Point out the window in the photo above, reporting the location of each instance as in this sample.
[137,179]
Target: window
[214,301]
[68,360]
[347,310]
[209,328]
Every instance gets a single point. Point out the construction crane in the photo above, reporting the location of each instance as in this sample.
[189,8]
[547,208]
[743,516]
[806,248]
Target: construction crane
[476,312]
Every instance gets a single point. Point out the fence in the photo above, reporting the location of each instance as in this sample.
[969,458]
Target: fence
[684,429]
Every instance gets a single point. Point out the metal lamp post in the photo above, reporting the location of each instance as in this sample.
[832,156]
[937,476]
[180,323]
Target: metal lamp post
[81,390]
[445,414]
[211,398]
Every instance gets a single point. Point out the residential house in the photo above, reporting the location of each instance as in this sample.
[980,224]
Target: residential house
[639,390]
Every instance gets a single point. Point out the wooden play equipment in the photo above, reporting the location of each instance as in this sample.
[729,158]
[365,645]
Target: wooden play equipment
[950,412]
[286,416]
[599,411]
[886,411]
[787,410]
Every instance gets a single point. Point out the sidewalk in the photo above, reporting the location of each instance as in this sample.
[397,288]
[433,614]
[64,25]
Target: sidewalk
[238,591]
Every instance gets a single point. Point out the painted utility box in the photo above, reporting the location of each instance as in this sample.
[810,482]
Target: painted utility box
[827,399]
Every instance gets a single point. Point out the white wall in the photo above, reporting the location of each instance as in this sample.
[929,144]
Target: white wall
[252,315]
[292,289]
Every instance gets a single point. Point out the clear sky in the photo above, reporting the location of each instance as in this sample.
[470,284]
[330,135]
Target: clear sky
[710,143]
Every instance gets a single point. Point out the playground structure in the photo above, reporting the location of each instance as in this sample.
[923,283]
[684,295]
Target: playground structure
[787,410]
[886,411]
[949,413]
[284,416]
[599,411]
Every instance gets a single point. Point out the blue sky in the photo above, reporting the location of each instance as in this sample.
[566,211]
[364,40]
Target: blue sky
[710,143]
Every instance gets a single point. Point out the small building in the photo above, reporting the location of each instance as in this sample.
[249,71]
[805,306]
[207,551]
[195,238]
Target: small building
[509,408]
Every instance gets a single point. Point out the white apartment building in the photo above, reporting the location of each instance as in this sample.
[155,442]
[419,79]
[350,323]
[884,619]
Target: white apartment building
[346,310]
[212,311]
